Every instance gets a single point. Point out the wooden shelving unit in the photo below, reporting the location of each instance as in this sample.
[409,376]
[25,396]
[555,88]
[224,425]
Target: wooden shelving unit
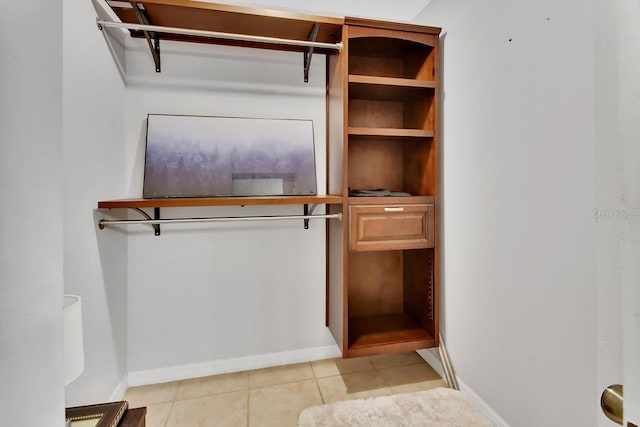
[383,88]
[385,82]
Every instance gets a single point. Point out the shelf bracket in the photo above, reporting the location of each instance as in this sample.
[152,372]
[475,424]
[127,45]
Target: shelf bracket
[309,51]
[156,215]
[154,45]
[308,212]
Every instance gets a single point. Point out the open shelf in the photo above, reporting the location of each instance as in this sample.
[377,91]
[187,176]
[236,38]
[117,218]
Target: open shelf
[397,165]
[389,301]
[218,201]
[391,200]
[198,15]
[391,132]
[409,96]
[368,335]
[391,81]
[407,110]
[391,57]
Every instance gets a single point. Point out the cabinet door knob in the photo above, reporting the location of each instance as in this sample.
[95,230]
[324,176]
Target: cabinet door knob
[393,209]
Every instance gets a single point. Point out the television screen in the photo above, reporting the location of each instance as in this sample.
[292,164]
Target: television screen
[200,156]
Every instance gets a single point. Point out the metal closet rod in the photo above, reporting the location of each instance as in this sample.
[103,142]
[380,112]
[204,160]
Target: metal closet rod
[106,222]
[217,35]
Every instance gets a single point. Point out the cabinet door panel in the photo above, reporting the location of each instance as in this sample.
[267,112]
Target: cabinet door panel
[391,227]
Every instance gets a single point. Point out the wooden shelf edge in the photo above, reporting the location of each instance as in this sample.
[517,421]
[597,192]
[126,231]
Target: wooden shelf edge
[391,81]
[398,347]
[218,201]
[352,200]
[385,334]
[389,132]
[389,25]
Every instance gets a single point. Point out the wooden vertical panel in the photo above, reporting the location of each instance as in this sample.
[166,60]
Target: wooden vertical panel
[344,108]
[336,175]
[367,65]
[376,114]
[419,287]
[423,61]
[336,283]
[335,123]
[434,171]
[418,165]
[419,111]
[375,283]
[375,163]
[344,81]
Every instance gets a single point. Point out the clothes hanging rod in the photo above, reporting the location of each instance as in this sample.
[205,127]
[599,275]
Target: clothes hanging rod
[217,35]
[107,222]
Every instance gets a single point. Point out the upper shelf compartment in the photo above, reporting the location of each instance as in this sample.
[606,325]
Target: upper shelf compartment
[388,52]
[382,57]
[212,17]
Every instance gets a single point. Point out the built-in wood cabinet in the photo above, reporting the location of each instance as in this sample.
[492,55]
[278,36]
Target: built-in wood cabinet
[385,84]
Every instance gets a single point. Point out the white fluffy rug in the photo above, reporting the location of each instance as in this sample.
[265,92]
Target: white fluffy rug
[438,407]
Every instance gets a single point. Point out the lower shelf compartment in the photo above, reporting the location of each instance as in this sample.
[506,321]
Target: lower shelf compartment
[385,334]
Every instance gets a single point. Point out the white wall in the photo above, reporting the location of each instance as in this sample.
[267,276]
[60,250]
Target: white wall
[519,290]
[609,160]
[31,365]
[207,293]
[628,90]
[95,262]
[618,200]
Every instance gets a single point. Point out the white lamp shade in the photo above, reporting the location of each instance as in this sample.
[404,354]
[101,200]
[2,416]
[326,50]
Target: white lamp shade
[73,341]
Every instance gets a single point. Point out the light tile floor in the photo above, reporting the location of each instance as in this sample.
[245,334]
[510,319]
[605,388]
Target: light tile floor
[275,396]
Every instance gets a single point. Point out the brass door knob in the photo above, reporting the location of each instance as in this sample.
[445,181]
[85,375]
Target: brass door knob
[611,403]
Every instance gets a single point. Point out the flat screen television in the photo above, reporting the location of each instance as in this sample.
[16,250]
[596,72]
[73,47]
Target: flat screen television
[208,156]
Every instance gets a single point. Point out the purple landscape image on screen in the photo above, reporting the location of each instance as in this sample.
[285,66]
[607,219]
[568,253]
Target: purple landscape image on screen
[201,156]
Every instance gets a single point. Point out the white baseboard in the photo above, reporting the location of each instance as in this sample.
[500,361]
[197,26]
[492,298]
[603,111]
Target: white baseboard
[237,364]
[430,357]
[120,390]
[484,407]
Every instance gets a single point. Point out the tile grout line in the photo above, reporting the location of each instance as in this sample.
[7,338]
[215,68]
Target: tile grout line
[315,377]
[381,376]
[248,406]
[248,398]
[378,370]
[166,421]
[173,402]
[319,391]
